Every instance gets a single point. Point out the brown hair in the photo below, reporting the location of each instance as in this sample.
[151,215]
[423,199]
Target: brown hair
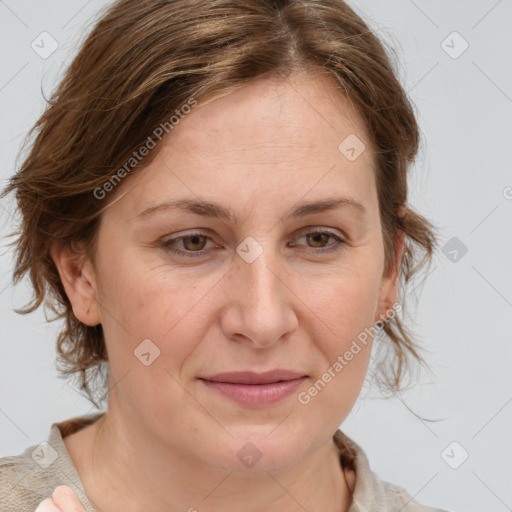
[144,60]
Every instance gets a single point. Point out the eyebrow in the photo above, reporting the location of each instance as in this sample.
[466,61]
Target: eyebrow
[209,209]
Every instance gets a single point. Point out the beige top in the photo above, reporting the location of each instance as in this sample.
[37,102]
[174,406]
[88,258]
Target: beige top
[29,478]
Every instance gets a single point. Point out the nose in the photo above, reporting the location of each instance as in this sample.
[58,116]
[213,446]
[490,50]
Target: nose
[260,309]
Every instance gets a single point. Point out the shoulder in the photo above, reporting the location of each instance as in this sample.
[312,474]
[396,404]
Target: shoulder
[23,485]
[397,496]
[30,477]
[369,491]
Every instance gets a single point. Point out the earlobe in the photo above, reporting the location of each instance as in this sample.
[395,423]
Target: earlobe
[78,278]
[390,281]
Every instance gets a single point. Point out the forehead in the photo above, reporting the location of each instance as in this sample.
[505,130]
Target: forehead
[274,139]
[305,112]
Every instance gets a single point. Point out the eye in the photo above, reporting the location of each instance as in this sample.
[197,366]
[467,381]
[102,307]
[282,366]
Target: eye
[319,237]
[193,244]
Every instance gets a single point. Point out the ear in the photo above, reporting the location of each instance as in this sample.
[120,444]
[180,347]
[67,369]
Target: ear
[78,278]
[388,295]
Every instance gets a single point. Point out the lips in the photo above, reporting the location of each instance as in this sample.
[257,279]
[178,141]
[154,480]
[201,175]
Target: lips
[255,378]
[255,389]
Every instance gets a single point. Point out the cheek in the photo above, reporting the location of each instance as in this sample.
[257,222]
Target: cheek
[344,347]
[163,304]
[164,307]
[346,302]
[347,312]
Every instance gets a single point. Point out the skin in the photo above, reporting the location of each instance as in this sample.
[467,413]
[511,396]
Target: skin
[63,499]
[168,442]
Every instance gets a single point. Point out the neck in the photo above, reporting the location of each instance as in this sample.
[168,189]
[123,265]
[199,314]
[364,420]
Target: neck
[130,471]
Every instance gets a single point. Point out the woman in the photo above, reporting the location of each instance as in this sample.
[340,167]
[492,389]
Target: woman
[215,201]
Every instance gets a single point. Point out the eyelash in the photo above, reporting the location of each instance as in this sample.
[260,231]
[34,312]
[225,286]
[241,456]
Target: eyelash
[168,245]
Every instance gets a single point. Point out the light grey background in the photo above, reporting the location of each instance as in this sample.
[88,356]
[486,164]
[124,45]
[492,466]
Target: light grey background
[462,181]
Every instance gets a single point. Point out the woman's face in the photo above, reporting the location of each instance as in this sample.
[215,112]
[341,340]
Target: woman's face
[274,289]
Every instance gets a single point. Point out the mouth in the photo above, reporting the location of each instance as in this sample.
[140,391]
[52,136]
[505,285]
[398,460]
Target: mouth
[255,389]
